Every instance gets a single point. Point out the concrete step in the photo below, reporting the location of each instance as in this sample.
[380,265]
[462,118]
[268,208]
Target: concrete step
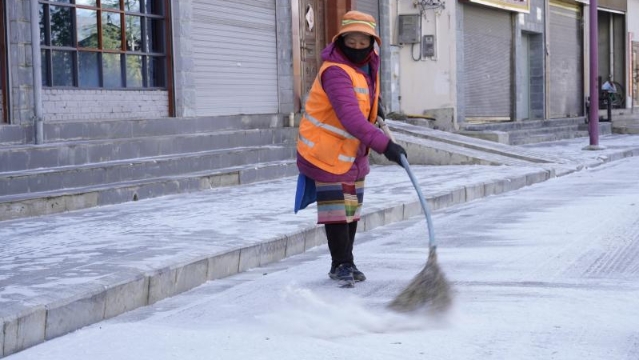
[625,121]
[629,128]
[424,150]
[94,163]
[545,130]
[54,132]
[119,129]
[473,143]
[520,125]
[530,132]
[107,172]
[63,200]
[76,153]
[15,134]
[605,128]
[555,133]
[429,152]
[527,138]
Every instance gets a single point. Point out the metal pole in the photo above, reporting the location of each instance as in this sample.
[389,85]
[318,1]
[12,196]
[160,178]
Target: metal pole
[593,120]
[38,125]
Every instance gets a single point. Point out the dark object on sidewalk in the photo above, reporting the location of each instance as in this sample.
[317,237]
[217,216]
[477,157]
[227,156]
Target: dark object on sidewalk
[429,288]
[603,101]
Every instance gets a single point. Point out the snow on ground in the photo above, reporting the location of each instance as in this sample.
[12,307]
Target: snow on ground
[545,272]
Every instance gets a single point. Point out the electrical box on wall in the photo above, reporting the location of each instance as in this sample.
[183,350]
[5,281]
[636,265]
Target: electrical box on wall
[409,29]
[428,46]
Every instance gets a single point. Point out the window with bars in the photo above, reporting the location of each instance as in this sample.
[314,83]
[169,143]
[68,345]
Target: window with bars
[104,43]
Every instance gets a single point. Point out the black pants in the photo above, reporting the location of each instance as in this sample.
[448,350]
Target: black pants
[340,242]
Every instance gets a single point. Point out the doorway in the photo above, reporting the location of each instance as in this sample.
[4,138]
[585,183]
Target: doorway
[524,109]
[612,53]
[312,41]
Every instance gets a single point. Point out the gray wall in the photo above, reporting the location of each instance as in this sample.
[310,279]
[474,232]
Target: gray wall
[20,62]
[284,32]
[183,66]
[386,55]
[459,29]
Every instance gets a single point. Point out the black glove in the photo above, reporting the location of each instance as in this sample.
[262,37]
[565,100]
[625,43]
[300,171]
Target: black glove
[393,152]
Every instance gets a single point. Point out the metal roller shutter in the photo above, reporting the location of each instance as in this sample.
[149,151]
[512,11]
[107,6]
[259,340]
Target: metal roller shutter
[235,57]
[369,7]
[566,64]
[487,62]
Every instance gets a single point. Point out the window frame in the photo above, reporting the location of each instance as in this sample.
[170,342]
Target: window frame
[146,53]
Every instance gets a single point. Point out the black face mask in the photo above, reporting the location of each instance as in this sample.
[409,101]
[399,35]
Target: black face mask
[356,56]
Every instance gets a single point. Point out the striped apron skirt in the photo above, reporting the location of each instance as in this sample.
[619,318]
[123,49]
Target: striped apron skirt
[340,202]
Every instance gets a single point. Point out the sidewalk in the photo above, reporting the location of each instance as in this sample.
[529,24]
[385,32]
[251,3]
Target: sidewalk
[61,272]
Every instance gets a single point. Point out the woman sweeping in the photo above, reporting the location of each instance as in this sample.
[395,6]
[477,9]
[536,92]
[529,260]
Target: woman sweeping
[335,135]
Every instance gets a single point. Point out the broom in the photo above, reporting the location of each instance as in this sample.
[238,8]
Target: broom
[429,287]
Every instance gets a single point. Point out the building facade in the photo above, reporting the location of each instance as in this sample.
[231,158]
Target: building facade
[455,61]
[104,60]
[502,60]
[89,60]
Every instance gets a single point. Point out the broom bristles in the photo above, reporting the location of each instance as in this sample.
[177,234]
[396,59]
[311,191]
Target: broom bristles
[428,287]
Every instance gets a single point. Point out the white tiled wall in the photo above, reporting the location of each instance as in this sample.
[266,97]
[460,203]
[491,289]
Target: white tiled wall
[60,105]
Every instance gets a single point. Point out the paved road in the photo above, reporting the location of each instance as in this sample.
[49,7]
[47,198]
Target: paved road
[545,272]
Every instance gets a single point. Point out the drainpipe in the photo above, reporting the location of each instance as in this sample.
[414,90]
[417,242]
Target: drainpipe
[37,73]
[7,72]
[436,45]
[593,120]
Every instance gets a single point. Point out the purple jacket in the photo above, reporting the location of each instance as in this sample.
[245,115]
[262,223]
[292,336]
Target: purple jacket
[339,88]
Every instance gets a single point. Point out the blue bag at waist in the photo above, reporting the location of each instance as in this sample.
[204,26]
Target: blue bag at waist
[305,194]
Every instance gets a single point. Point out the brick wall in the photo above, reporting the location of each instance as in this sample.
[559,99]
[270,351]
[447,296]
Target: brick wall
[60,105]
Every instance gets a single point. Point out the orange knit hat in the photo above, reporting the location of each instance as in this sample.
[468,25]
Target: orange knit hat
[355,21]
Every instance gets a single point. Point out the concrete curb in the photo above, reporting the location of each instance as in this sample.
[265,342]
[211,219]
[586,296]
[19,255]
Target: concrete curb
[35,323]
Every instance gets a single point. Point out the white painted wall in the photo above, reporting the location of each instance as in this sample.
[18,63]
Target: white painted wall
[429,83]
[633,18]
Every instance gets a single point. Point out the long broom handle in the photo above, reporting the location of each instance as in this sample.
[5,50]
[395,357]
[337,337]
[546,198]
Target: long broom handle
[429,222]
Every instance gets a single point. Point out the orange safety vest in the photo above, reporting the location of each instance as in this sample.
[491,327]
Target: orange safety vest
[323,140]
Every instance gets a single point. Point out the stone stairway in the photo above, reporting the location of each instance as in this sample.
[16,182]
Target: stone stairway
[531,131]
[426,146]
[96,163]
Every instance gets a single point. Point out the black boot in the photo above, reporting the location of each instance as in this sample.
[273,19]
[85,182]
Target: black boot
[338,244]
[352,230]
